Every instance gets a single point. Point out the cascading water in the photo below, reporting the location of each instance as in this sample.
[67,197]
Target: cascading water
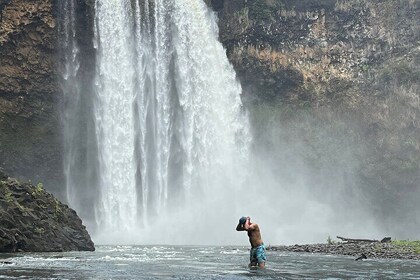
[115,126]
[71,88]
[80,147]
[170,135]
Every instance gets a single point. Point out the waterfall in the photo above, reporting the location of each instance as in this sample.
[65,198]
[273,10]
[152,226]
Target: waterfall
[114,122]
[170,135]
[71,87]
[79,141]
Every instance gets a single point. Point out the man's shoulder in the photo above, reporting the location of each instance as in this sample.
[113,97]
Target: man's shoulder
[255,226]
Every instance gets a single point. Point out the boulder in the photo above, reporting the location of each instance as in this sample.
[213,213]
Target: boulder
[33,220]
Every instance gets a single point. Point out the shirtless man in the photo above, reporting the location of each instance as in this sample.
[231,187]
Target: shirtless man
[257,254]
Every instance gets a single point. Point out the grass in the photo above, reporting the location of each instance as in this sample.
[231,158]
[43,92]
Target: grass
[58,211]
[407,244]
[243,18]
[38,190]
[9,197]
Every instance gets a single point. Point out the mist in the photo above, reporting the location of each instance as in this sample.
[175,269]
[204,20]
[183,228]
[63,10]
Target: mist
[200,152]
[318,173]
[303,183]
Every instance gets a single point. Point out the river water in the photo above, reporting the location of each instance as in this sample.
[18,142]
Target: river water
[195,262]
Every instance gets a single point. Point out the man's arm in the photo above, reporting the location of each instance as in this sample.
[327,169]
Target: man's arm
[248,226]
[240,227]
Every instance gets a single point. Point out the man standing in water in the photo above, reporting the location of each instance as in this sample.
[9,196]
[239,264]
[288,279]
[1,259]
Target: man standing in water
[257,254]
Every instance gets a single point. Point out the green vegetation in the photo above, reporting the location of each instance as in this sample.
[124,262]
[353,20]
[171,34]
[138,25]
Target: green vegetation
[8,196]
[262,10]
[38,190]
[242,17]
[22,208]
[39,230]
[57,209]
[406,244]
[377,247]
[330,241]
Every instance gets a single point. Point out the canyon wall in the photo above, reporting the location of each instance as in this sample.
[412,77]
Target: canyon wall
[29,91]
[31,77]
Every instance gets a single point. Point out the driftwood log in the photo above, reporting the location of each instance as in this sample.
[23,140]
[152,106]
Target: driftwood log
[356,239]
[386,239]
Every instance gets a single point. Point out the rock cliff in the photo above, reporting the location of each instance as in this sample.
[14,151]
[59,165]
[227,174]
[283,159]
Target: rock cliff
[31,95]
[29,91]
[32,220]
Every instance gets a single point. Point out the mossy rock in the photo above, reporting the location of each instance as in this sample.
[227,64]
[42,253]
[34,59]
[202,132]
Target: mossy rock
[33,220]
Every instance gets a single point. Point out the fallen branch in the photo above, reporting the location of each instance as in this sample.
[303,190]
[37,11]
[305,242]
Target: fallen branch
[356,240]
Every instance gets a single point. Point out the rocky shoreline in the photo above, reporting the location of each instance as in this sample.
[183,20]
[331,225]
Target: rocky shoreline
[33,220]
[359,250]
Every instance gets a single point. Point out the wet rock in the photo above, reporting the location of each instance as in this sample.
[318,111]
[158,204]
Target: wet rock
[361,257]
[33,220]
[6,261]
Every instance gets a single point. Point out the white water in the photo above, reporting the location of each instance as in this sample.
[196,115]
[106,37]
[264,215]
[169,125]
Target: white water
[171,136]
[114,116]
[71,92]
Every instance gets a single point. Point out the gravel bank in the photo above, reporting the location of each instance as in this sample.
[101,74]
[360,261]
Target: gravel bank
[389,250]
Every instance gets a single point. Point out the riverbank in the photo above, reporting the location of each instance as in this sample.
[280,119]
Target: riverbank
[408,250]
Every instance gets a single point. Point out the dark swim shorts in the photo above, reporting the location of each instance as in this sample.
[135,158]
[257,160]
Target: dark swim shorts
[257,254]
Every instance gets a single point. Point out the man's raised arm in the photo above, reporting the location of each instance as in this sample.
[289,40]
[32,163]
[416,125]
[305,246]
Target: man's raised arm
[240,227]
[248,226]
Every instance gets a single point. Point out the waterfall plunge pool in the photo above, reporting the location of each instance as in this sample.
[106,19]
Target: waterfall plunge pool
[196,262]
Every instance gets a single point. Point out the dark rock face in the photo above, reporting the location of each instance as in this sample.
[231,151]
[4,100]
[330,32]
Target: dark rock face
[32,220]
[29,119]
[297,47]
[31,99]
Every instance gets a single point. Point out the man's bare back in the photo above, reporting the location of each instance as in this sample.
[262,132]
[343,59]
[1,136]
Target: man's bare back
[257,245]
[254,235]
